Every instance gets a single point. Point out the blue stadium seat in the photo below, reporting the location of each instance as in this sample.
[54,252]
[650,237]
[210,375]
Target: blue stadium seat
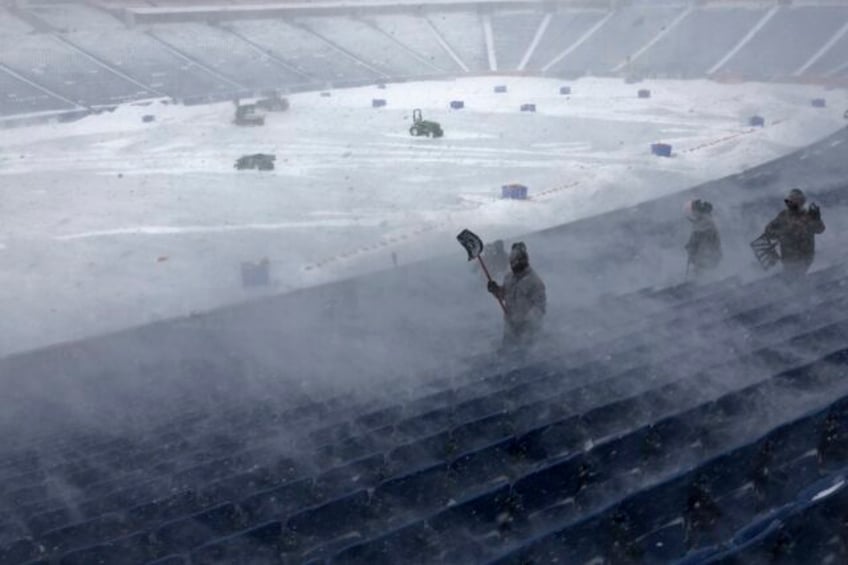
[19,551]
[407,544]
[335,454]
[332,518]
[482,406]
[162,509]
[351,476]
[129,495]
[551,483]
[262,543]
[495,459]
[135,548]
[785,480]
[380,418]
[330,434]
[556,439]
[741,506]
[427,423]
[50,520]
[493,509]
[421,453]
[189,532]
[279,501]
[238,485]
[651,509]
[171,560]
[107,526]
[480,432]
[663,545]
[425,488]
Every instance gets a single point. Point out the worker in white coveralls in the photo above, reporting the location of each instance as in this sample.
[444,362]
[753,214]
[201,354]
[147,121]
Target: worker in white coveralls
[523,294]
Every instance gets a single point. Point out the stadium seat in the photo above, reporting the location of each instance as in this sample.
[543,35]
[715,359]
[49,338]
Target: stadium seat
[331,519]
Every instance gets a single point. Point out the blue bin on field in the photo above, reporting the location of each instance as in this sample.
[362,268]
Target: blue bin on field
[661,149]
[644,93]
[819,103]
[378,103]
[500,89]
[457,104]
[565,90]
[757,121]
[514,191]
[528,107]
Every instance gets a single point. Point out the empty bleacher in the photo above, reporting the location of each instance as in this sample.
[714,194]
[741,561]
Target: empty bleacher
[624,33]
[787,41]
[564,30]
[418,35]
[72,16]
[18,97]
[699,41]
[145,59]
[833,59]
[48,61]
[235,61]
[583,447]
[9,24]
[513,33]
[63,46]
[463,34]
[365,44]
[304,51]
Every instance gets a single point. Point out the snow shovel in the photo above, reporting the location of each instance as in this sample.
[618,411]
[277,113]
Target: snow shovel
[474,246]
[765,251]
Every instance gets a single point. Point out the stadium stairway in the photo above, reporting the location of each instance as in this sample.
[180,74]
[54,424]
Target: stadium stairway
[610,442]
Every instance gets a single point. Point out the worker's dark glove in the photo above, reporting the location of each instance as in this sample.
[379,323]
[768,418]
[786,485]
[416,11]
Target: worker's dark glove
[492,287]
[815,212]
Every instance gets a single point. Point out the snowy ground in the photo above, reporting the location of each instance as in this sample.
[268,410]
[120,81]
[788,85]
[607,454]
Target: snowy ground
[110,222]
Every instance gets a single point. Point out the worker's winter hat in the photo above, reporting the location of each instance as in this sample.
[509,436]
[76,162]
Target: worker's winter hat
[518,253]
[796,196]
[697,207]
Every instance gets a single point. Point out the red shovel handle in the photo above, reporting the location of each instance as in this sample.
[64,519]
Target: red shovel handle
[488,276]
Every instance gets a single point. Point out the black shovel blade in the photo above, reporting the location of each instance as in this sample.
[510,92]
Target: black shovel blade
[472,244]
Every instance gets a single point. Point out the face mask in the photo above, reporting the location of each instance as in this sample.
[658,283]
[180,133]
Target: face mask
[518,265]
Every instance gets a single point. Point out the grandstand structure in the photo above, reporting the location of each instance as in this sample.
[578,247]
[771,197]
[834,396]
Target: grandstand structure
[53,52]
[698,423]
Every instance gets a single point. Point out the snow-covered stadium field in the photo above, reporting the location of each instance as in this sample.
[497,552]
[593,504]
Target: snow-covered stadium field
[109,222]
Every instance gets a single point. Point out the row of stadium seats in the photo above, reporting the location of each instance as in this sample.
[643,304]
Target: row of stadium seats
[190,60]
[470,455]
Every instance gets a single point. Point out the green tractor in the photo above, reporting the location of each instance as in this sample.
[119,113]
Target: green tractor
[424,127]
